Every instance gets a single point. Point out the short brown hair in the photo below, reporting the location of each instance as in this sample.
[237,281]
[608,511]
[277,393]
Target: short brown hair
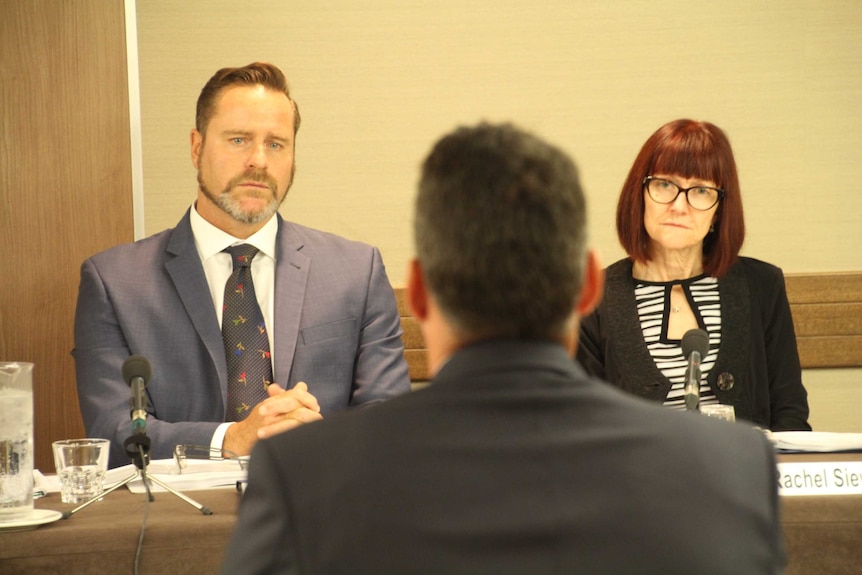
[689,149]
[256,73]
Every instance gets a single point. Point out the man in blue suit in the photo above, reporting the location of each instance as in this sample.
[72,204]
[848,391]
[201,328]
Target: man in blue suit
[333,326]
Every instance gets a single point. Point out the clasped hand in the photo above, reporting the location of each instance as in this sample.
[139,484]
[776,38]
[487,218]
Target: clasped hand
[281,411]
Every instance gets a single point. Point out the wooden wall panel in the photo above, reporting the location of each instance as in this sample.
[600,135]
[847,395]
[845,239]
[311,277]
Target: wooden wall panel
[827,316]
[65,184]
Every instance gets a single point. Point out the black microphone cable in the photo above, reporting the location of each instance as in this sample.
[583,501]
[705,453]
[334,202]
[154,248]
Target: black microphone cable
[137,373]
[140,547]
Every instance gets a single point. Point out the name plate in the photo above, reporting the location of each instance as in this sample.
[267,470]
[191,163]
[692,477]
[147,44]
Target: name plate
[820,478]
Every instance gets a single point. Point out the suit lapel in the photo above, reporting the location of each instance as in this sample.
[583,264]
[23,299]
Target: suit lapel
[291,280]
[637,370]
[735,328]
[187,274]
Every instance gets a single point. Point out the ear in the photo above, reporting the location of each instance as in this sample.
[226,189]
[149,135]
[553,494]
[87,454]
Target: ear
[417,295]
[593,285]
[196,142]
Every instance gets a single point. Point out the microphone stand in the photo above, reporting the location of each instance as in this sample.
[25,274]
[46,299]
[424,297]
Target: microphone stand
[137,448]
[692,382]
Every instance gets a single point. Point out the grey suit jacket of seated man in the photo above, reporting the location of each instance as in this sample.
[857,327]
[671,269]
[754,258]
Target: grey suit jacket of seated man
[336,328]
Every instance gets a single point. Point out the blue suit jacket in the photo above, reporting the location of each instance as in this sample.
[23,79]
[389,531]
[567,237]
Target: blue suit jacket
[336,328]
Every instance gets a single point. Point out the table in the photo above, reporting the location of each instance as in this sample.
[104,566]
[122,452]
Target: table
[823,534]
[103,537]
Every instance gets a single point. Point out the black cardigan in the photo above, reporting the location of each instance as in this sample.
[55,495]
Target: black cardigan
[757,369]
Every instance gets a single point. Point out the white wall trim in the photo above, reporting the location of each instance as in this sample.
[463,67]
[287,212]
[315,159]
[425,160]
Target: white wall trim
[135,118]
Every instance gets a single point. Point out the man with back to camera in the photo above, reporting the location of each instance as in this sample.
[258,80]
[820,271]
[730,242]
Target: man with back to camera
[513,460]
[330,334]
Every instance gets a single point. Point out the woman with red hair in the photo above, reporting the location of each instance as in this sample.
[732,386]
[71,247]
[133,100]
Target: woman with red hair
[680,220]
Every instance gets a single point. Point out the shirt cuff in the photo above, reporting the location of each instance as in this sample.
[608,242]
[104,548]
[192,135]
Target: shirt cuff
[218,437]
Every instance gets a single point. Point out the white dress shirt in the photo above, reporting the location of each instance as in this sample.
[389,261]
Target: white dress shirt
[210,242]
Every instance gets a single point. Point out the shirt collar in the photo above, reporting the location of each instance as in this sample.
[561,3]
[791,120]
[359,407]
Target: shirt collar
[210,240]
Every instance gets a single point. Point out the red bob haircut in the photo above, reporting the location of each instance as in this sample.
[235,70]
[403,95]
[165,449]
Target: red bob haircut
[688,149]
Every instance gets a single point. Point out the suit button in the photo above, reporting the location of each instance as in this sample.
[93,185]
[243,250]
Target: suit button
[725,381]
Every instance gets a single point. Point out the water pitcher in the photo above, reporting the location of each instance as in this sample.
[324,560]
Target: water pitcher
[16,440]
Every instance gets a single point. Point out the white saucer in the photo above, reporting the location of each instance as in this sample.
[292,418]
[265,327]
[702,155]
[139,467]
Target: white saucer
[35,519]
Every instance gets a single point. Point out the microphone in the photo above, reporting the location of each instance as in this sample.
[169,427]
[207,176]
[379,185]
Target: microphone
[695,346]
[136,372]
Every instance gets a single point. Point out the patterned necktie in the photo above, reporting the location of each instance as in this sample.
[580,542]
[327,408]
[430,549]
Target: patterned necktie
[246,345]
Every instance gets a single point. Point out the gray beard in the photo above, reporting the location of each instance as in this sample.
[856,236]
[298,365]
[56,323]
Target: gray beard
[226,202]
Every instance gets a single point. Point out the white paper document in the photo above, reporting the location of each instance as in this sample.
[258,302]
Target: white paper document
[197,474]
[816,441]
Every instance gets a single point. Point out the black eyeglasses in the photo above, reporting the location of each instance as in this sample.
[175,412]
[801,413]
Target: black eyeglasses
[665,192]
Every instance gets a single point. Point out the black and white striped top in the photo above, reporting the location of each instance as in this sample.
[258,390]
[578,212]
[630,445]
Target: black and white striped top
[653,301]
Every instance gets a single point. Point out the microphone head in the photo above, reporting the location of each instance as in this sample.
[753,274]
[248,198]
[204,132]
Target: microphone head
[136,366]
[695,340]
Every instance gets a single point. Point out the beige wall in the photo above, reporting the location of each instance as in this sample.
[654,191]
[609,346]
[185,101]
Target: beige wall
[377,84]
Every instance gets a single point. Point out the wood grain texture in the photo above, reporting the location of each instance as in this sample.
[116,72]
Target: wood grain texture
[827,315]
[65,185]
[815,288]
